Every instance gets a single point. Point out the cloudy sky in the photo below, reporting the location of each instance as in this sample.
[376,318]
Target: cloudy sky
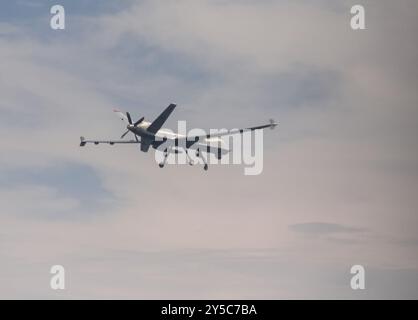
[340,179]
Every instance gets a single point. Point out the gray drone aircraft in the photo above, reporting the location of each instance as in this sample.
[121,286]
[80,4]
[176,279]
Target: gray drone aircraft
[151,134]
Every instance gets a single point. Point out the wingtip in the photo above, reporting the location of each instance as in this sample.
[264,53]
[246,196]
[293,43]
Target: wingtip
[273,124]
[82,141]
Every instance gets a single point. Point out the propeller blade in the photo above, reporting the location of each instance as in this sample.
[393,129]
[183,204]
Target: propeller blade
[139,121]
[123,136]
[129,117]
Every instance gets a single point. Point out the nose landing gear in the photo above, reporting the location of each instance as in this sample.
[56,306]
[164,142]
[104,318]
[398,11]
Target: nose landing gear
[161,165]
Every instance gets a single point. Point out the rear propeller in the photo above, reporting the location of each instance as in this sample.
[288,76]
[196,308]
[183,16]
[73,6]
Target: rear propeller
[123,136]
[128,115]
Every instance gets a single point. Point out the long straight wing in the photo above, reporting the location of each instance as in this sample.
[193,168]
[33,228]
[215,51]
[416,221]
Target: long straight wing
[158,123]
[272,124]
[83,141]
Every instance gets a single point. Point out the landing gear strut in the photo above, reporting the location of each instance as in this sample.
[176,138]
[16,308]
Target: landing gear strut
[190,160]
[161,165]
[200,155]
